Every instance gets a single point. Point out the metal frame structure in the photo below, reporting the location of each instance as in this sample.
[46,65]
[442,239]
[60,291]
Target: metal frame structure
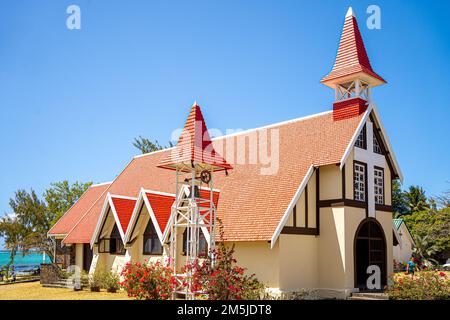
[195,213]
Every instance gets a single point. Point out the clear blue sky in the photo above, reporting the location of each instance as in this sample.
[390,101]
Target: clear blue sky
[71,102]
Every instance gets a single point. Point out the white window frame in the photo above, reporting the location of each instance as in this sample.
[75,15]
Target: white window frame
[359,181]
[361,141]
[378,185]
[376,145]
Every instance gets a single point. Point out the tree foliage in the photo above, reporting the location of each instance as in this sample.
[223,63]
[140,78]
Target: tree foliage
[398,199]
[26,229]
[416,199]
[146,145]
[61,196]
[434,225]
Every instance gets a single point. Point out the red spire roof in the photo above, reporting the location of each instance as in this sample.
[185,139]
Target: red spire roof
[194,146]
[351,56]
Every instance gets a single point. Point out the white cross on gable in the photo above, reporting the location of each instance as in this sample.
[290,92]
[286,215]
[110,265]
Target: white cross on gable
[372,160]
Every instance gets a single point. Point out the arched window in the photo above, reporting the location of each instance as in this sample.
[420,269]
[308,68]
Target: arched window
[369,249]
[152,245]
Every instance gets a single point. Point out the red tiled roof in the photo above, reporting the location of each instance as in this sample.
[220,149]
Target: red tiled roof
[194,145]
[124,208]
[351,56]
[74,214]
[251,204]
[161,206]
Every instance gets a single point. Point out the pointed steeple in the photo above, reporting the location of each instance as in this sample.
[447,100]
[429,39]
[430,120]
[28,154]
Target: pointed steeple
[351,60]
[194,149]
[352,76]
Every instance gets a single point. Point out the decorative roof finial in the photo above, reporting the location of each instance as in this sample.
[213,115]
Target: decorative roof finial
[350,13]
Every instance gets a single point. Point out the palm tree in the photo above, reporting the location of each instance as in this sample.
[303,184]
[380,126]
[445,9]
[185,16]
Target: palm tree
[416,200]
[424,251]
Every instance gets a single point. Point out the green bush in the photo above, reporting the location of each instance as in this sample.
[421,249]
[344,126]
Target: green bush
[97,280]
[426,285]
[111,281]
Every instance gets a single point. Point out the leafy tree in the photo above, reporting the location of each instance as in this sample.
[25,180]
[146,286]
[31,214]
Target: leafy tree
[11,231]
[443,200]
[61,196]
[398,199]
[424,250]
[146,146]
[33,217]
[435,225]
[416,200]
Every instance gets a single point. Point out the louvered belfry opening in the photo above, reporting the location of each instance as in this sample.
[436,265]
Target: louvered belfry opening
[194,162]
[352,76]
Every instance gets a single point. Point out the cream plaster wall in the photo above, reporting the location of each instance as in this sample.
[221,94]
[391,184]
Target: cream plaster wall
[298,262]
[330,182]
[258,258]
[385,219]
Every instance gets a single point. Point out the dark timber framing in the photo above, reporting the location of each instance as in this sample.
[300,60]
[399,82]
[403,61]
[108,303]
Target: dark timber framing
[306,206]
[305,230]
[294,216]
[317,201]
[343,182]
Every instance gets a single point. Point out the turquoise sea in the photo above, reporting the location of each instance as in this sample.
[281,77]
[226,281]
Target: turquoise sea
[29,261]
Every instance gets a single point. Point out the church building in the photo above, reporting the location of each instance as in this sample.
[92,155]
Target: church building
[313,224]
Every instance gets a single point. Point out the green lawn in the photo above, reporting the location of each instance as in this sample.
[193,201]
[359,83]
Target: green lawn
[34,291]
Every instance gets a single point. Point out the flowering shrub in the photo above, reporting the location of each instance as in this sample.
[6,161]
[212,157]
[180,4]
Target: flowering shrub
[148,281]
[426,285]
[223,280]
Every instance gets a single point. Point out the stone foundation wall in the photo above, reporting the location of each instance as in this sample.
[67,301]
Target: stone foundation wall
[49,273]
[308,294]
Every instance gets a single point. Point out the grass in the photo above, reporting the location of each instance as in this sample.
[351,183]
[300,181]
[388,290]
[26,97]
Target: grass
[34,291]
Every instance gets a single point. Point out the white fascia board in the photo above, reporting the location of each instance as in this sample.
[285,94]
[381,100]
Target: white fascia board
[116,218]
[134,216]
[361,124]
[153,218]
[157,192]
[388,144]
[291,205]
[100,220]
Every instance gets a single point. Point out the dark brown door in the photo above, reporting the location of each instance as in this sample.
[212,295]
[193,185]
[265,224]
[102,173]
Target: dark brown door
[369,249]
[87,256]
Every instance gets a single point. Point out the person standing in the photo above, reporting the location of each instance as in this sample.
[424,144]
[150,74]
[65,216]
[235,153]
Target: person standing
[410,266]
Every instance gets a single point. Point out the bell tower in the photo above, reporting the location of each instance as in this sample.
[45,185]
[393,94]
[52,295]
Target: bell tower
[352,76]
[194,161]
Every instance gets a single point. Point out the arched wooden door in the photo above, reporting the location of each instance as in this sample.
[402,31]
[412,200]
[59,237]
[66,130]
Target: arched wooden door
[369,249]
